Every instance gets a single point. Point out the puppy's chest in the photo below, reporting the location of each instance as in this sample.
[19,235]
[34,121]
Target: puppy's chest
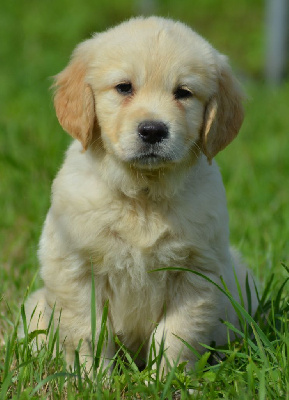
[142,237]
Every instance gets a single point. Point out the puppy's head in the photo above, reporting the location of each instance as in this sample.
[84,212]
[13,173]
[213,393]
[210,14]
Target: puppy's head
[154,90]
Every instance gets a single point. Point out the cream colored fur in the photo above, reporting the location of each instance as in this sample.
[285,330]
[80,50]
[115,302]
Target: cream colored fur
[122,213]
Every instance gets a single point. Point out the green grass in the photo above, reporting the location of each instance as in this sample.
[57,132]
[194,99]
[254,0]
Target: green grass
[37,37]
[253,366]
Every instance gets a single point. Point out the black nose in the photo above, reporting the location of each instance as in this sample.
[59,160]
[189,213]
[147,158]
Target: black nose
[152,131]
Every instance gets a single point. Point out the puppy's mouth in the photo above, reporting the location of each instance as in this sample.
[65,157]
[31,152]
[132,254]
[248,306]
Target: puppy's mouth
[151,159]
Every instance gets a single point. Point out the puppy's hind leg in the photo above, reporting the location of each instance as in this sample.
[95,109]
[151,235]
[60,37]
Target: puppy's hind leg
[244,276]
[38,314]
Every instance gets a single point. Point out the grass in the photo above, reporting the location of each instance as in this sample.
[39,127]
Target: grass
[37,39]
[253,366]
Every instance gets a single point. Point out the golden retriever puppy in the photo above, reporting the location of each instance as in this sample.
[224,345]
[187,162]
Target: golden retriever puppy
[150,103]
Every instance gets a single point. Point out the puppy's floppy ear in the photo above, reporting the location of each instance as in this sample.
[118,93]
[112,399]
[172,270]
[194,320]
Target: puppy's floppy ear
[223,114]
[73,99]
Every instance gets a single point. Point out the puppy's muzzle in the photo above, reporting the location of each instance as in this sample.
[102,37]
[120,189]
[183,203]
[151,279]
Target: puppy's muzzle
[152,131]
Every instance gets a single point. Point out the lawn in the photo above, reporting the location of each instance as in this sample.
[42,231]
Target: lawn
[37,37]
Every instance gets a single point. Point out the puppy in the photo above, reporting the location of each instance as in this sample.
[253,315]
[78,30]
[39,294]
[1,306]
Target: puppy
[149,104]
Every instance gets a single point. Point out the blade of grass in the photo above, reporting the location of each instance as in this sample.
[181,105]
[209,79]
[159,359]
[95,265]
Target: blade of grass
[102,335]
[279,294]
[24,322]
[7,358]
[78,370]
[5,386]
[191,348]
[169,379]
[93,311]
[248,294]
[49,379]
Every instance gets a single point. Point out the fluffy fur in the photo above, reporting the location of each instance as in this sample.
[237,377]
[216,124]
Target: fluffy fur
[124,204]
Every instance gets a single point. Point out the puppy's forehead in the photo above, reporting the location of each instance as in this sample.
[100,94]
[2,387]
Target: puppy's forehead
[154,49]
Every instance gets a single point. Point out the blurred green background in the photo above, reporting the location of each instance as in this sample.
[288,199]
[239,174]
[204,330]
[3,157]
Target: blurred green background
[37,38]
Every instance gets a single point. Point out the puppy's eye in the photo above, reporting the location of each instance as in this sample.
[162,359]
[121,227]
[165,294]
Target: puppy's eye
[182,93]
[124,88]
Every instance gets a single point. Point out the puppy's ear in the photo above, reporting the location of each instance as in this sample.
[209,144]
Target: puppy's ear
[73,99]
[223,114]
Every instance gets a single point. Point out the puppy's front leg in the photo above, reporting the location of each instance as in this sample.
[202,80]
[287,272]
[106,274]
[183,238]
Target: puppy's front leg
[74,328]
[86,354]
[76,333]
[194,319]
